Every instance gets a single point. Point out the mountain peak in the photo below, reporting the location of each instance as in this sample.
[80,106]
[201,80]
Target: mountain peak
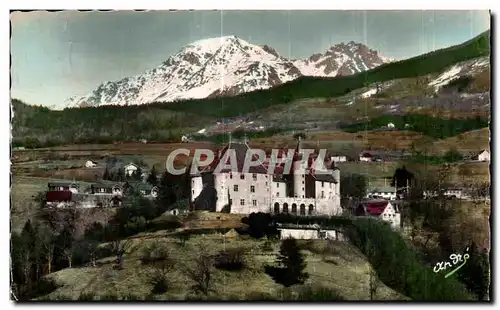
[225,65]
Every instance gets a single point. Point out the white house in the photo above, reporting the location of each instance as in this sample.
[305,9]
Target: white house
[365,156]
[90,164]
[130,169]
[381,209]
[308,232]
[388,193]
[390,125]
[338,158]
[453,193]
[185,138]
[483,155]
[257,190]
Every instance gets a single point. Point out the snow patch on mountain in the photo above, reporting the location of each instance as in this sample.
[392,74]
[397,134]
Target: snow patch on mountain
[225,66]
[468,67]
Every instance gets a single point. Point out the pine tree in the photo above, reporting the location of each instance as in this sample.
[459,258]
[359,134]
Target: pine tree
[475,274]
[292,264]
[106,175]
[166,191]
[152,177]
[137,174]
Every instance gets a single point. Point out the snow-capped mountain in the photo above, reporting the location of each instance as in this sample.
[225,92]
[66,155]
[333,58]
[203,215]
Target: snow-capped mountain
[225,66]
[341,59]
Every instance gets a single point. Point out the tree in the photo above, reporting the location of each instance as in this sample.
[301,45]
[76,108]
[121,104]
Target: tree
[299,135]
[291,265]
[475,274]
[152,177]
[160,264]
[402,178]
[452,155]
[353,185]
[106,175]
[201,272]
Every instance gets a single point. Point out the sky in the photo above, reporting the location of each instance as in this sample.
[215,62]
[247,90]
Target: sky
[59,55]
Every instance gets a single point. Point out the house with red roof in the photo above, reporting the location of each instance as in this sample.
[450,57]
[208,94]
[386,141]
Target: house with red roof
[381,209]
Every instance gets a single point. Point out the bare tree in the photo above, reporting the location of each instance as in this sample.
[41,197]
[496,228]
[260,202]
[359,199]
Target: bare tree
[373,283]
[119,247]
[160,265]
[202,271]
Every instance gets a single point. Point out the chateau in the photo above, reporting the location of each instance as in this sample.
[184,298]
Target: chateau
[303,191]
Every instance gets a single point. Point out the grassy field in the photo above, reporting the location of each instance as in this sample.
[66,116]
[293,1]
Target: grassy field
[342,268]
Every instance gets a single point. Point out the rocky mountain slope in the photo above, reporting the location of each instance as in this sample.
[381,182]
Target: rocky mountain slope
[226,66]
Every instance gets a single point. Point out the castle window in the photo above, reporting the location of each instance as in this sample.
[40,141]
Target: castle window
[322,184]
[303,182]
[254,176]
[252,189]
[230,175]
[285,208]
[235,188]
[254,202]
[276,208]
[302,209]
[322,194]
[277,194]
[311,208]
[242,176]
[277,184]
[242,202]
[294,209]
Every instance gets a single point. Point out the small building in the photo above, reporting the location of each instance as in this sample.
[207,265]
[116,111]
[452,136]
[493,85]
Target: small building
[130,169]
[338,158]
[64,186]
[115,189]
[144,141]
[366,157]
[308,232]
[390,125]
[90,164]
[388,193]
[381,209]
[148,190]
[483,155]
[185,138]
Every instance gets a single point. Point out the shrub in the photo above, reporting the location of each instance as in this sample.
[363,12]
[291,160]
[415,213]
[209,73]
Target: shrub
[230,260]
[318,293]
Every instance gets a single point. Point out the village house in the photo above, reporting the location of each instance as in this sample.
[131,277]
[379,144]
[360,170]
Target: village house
[130,169]
[366,157]
[308,232]
[90,164]
[67,199]
[338,158]
[115,189]
[381,209]
[450,193]
[64,186]
[241,192]
[483,155]
[388,193]
[390,126]
[184,138]
[146,189]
